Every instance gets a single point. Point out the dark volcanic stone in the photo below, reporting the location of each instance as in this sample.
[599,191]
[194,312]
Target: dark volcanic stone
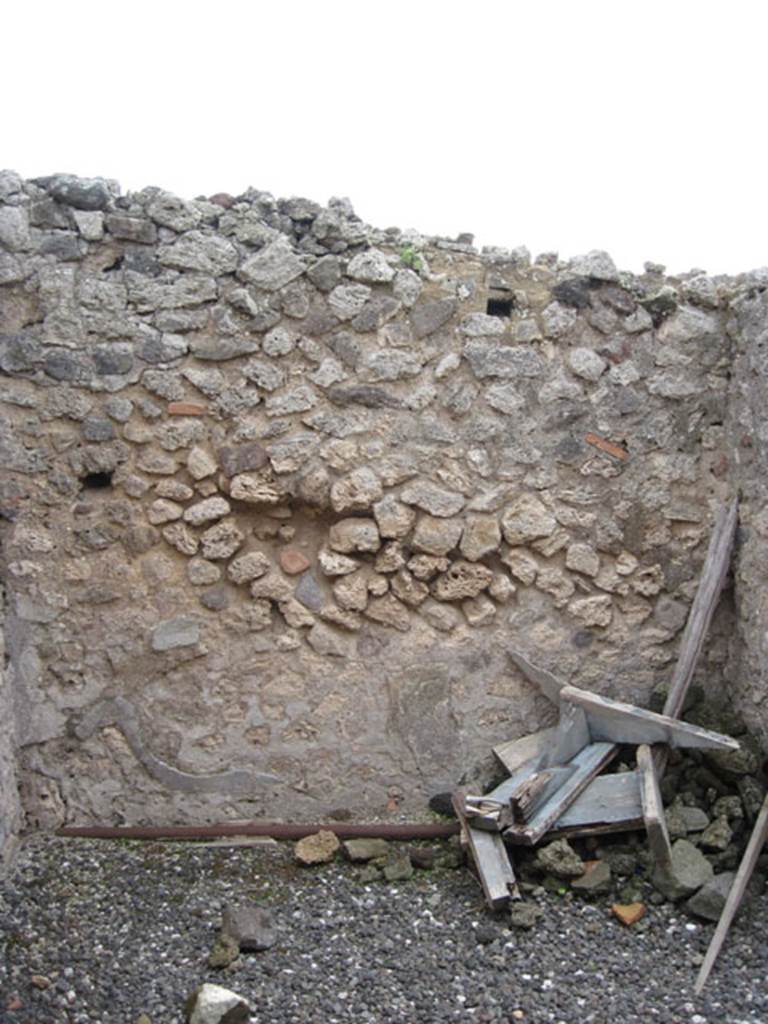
[574,292]
[82,193]
[241,458]
[364,394]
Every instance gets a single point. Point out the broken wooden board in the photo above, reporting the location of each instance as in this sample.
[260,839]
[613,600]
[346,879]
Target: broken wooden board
[549,685]
[707,595]
[572,735]
[610,803]
[587,763]
[492,819]
[515,753]
[491,859]
[653,809]
[529,796]
[616,722]
[743,875]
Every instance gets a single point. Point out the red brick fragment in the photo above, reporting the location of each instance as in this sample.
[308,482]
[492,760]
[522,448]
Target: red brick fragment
[293,562]
[607,446]
[628,913]
[186,409]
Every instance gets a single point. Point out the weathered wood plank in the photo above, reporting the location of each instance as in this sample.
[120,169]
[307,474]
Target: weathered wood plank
[512,754]
[653,809]
[743,875]
[707,595]
[491,860]
[616,722]
[609,803]
[525,802]
[490,820]
[549,685]
[573,734]
[587,763]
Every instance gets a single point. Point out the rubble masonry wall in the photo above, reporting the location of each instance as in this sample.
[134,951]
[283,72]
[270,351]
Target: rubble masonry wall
[281,490]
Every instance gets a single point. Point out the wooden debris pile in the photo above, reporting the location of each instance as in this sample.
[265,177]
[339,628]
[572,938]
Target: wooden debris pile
[554,786]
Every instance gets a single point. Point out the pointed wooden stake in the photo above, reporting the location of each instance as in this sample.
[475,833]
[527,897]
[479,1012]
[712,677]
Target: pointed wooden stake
[743,875]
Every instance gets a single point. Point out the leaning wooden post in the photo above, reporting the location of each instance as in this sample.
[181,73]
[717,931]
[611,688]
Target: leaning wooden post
[703,608]
[752,852]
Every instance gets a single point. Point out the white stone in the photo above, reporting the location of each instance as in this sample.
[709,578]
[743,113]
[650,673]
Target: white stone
[212,1003]
[596,264]
[371,266]
[582,558]
[279,341]
[206,511]
[586,363]
[357,491]
[200,464]
[480,325]
[526,519]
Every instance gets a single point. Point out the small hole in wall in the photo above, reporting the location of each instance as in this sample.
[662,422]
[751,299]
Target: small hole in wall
[499,307]
[96,481]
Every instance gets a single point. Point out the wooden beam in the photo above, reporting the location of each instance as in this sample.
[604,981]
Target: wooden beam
[653,809]
[549,685]
[610,803]
[616,722]
[707,595]
[514,753]
[573,734]
[744,873]
[587,763]
[491,859]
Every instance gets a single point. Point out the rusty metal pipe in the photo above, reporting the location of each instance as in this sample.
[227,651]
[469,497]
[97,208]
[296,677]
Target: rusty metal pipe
[274,829]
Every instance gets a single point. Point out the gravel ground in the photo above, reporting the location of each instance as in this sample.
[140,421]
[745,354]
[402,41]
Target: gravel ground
[124,928]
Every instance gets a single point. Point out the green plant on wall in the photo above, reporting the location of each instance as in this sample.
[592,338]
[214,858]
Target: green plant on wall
[410,258]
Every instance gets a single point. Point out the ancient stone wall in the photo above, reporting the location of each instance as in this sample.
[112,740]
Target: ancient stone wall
[282,490]
[10,811]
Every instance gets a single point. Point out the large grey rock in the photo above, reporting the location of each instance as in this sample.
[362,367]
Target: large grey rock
[365,849]
[526,519]
[689,870]
[560,859]
[207,254]
[595,264]
[432,498]
[181,631]
[371,267]
[250,926]
[709,901]
[428,317]
[513,361]
[14,228]
[272,267]
[82,193]
[212,1004]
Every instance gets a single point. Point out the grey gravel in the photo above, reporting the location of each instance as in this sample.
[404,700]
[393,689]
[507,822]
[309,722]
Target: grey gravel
[125,928]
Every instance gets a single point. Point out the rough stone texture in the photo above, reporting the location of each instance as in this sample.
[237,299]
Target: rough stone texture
[243,384]
[317,849]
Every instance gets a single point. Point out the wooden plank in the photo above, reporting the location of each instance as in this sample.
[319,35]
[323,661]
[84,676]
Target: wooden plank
[549,685]
[707,595]
[587,763]
[743,875]
[529,796]
[610,803]
[514,753]
[616,722]
[573,734]
[494,821]
[653,809]
[491,860]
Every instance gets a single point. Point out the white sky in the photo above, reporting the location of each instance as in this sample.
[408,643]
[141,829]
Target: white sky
[629,125]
